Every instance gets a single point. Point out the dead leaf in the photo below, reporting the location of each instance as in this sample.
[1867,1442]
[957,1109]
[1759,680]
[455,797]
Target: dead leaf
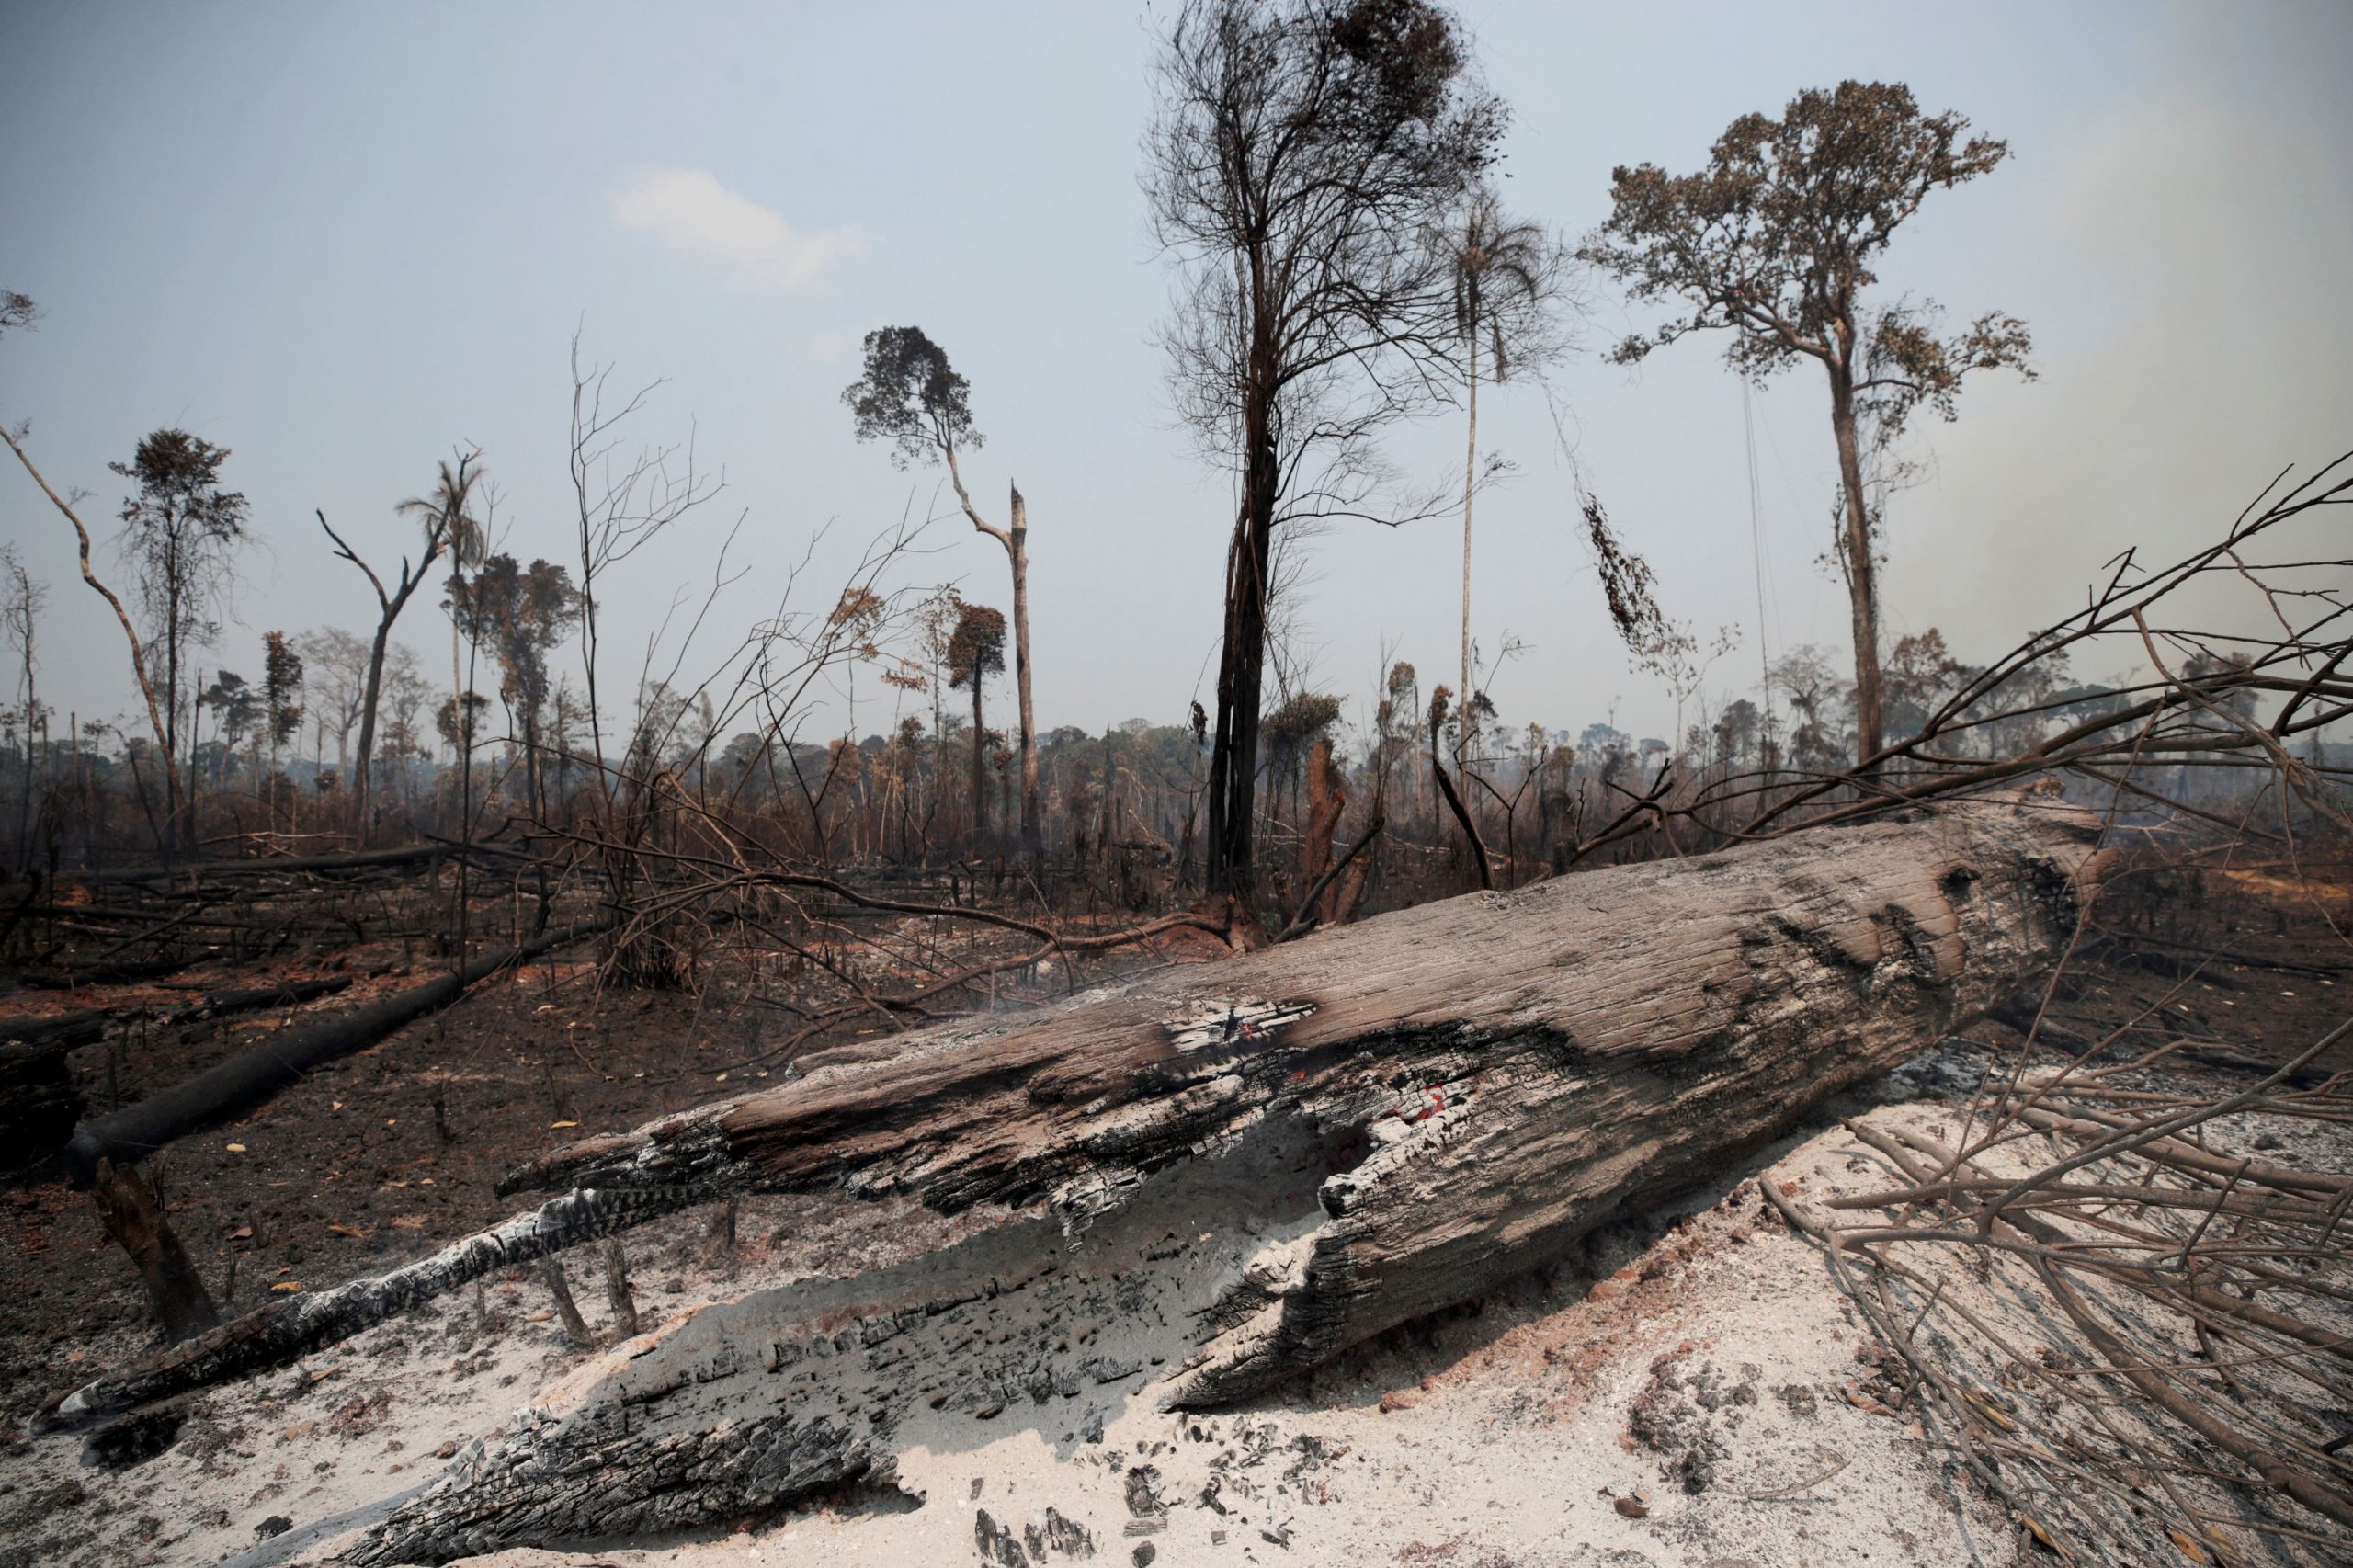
[357,1235]
[1632,1506]
[538,1317]
[286,1285]
[555,1124]
[242,1233]
[300,1429]
[2189,1548]
[2042,1536]
[237,1148]
[408,1221]
[324,1373]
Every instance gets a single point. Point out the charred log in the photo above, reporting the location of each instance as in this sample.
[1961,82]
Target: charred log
[1242,1169]
[244,1081]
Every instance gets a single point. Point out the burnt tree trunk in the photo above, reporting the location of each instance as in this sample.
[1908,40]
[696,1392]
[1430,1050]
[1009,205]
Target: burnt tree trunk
[131,1204]
[1238,1170]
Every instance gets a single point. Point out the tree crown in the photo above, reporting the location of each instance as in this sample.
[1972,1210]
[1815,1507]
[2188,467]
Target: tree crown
[1778,235]
[911,397]
[976,648]
[448,512]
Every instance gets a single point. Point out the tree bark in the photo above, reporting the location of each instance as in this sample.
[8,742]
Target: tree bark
[132,1209]
[980,779]
[1234,755]
[1470,484]
[1862,571]
[1346,1132]
[1033,836]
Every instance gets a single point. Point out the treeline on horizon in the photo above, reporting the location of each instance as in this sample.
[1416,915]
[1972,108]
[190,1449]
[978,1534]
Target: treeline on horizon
[1324,178]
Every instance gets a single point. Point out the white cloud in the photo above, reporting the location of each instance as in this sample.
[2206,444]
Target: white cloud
[692,214]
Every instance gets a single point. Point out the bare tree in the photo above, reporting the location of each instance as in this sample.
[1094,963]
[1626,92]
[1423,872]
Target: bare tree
[1301,157]
[449,524]
[1774,241]
[911,397]
[20,605]
[16,313]
[336,680]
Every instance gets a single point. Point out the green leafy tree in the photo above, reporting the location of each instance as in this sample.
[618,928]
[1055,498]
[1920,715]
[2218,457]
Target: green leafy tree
[1776,241]
[180,534]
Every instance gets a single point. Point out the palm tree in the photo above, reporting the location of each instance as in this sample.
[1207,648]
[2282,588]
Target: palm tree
[1506,279]
[447,513]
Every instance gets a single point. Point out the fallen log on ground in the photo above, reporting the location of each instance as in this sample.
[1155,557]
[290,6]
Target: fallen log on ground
[1243,1168]
[245,1080]
[39,1106]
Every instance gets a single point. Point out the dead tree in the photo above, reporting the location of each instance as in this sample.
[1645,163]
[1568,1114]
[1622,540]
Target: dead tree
[441,523]
[1300,157]
[130,1203]
[1233,1171]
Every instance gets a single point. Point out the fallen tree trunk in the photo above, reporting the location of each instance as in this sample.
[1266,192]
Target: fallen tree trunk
[223,1090]
[39,1106]
[1247,1167]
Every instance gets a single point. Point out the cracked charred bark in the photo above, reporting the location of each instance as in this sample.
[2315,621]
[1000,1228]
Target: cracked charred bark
[1246,1168]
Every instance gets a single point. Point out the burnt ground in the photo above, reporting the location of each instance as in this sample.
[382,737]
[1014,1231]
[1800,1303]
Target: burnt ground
[375,1159]
[389,1153]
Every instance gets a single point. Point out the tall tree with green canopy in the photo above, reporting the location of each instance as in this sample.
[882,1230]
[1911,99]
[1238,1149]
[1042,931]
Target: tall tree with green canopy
[1776,241]
[911,397]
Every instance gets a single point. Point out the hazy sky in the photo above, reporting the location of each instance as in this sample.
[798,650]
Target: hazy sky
[339,239]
